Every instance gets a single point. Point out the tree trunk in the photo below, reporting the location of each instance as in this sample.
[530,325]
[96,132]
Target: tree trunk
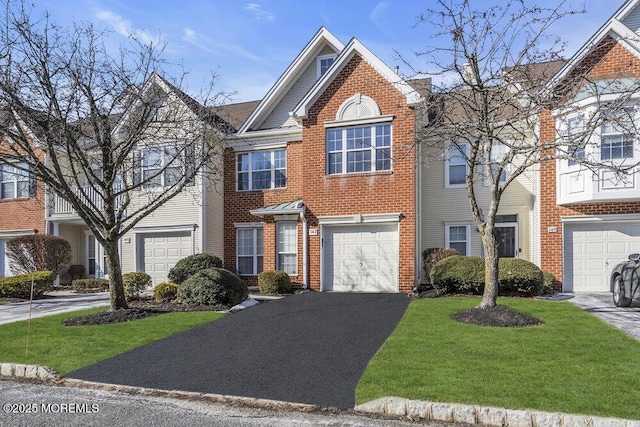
[116,287]
[490,245]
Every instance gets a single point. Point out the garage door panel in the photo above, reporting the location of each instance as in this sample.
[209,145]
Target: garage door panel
[361,258]
[162,251]
[591,251]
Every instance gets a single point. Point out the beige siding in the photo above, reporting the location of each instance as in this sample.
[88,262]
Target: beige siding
[214,219]
[441,206]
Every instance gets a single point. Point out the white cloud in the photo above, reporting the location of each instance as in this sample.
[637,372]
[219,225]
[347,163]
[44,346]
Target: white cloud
[125,28]
[378,13]
[203,42]
[256,10]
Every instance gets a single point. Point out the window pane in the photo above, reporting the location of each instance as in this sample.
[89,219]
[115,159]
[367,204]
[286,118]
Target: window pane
[358,138]
[8,190]
[243,162]
[383,136]
[335,163]
[261,160]
[151,158]
[383,159]
[280,179]
[245,265]
[457,174]
[243,181]
[460,247]
[261,180]
[334,140]
[287,245]
[359,161]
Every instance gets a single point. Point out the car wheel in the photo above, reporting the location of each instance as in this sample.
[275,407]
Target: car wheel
[619,297]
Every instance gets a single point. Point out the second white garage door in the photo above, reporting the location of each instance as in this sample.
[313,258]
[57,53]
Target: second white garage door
[592,250]
[162,251]
[362,258]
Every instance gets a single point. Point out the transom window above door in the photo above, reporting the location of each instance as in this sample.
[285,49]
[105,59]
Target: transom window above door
[261,170]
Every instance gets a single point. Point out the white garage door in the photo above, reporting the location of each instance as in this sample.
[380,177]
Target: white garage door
[162,251]
[361,258]
[591,251]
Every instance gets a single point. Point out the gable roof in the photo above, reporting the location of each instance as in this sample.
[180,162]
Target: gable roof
[322,38]
[623,27]
[354,48]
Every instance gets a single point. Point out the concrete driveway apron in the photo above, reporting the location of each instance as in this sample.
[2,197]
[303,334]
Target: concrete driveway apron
[601,305]
[307,348]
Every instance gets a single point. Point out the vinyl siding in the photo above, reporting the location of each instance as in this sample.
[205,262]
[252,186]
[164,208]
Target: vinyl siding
[632,21]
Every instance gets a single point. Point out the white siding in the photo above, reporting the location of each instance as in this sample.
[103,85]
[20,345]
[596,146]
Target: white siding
[632,21]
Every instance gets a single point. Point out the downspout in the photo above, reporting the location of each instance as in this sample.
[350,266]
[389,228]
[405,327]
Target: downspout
[305,251]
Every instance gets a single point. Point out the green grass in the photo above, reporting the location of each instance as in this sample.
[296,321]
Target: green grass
[66,348]
[574,363]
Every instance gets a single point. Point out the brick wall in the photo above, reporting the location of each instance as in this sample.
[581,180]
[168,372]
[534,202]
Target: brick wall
[385,192]
[609,59]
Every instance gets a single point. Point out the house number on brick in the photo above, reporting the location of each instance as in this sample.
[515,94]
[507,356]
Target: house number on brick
[552,229]
[313,232]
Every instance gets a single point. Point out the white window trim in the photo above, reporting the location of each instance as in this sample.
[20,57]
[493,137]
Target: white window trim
[448,165]
[373,149]
[250,170]
[27,177]
[447,241]
[252,226]
[279,251]
[319,62]
[163,167]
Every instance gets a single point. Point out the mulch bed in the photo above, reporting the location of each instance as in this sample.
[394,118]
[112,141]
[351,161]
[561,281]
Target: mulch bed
[499,316]
[138,309]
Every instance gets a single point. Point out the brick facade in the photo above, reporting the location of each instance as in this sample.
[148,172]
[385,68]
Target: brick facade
[608,60]
[367,193]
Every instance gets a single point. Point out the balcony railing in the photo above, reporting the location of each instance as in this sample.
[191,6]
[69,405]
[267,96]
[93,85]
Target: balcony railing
[89,196]
[584,186]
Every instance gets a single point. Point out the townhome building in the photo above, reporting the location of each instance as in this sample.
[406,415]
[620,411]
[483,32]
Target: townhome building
[590,217]
[320,179]
[22,206]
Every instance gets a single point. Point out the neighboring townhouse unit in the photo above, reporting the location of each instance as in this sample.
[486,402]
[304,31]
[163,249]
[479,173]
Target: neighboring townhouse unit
[22,207]
[189,223]
[320,179]
[444,210]
[590,219]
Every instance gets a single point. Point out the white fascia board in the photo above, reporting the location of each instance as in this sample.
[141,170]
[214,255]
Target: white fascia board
[264,139]
[354,47]
[322,36]
[600,218]
[609,28]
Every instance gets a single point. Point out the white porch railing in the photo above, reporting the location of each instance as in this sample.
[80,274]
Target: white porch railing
[89,196]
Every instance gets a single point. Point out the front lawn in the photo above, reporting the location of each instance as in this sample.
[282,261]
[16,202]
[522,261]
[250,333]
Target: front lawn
[67,348]
[573,363]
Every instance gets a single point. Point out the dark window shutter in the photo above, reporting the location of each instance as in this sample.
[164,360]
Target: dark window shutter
[136,168]
[189,164]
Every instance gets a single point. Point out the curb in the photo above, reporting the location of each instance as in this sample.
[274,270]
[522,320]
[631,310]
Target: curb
[484,415]
[399,407]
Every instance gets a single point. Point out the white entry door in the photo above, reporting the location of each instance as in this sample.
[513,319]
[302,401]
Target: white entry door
[592,250]
[360,258]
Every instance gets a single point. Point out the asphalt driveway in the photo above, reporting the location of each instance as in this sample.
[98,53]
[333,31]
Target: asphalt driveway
[308,348]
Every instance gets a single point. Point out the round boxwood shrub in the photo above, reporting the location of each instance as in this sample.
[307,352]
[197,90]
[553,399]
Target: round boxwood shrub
[135,282]
[549,280]
[465,274]
[90,285]
[166,291]
[274,282]
[192,264]
[213,286]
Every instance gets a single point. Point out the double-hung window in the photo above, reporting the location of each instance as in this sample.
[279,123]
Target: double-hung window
[456,166]
[458,237]
[161,166]
[261,170]
[249,244]
[498,153]
[616,141]
[324,62]
[359,149]
[287,247]
[575,139]
[15,181]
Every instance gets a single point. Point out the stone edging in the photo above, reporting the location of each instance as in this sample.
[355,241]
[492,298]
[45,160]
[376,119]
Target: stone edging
[391,406]
[484,415]
[33,372]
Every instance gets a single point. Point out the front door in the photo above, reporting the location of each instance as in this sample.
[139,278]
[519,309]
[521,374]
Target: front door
[507,234]
[96,259]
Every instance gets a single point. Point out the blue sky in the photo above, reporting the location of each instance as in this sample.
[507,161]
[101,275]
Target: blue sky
[249,44]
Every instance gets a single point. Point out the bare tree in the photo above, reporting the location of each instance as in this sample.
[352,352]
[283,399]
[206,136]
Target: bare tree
[490,74]
[100,126]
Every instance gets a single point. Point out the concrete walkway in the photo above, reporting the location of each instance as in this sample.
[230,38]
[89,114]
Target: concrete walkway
[601,304]
[17,311]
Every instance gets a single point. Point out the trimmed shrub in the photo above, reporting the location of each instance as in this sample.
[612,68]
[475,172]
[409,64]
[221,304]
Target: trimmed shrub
[462,274]
[548,281]
[90,285]
[274,282]
[20,286]
[431,256]
[135,282]
[213,286]
[458,274]
[166,291]
[38,252]
[190,265]
[519,277]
